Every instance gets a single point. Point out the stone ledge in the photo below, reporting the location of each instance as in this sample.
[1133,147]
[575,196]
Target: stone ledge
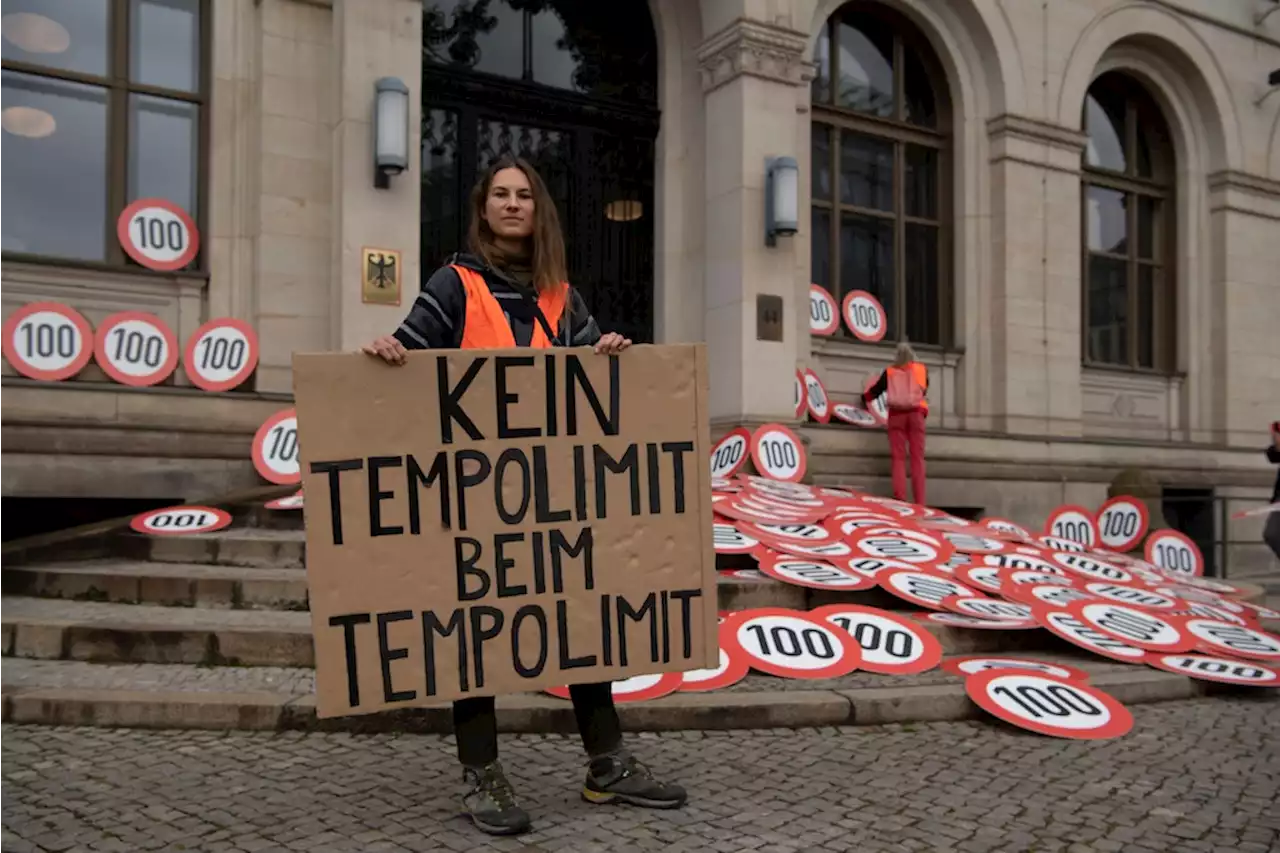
[539,713]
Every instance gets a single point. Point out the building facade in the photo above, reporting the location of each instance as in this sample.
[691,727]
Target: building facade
[1071,208]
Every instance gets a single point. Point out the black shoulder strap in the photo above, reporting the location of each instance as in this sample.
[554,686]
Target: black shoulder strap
[542,318]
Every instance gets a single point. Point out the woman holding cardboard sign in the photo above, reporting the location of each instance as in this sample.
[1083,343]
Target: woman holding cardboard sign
[511,291]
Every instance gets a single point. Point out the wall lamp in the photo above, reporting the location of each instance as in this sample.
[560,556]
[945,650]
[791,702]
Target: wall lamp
[390,130]
[1273,85]
[781,198]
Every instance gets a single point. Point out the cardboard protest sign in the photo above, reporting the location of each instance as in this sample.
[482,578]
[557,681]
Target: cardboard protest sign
[486,522]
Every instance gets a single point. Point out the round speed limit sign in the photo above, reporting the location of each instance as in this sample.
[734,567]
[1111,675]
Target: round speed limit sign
[1122,522]
[135,348]
[801,400]
[294,501]
[221,354]
[180,521]
[1073,523]
[864,315]
[275,449]
[1049,705]
[730,453]
[851,414]
[790,644]
[778,453]
[158,234]
[816,399]
[1211,668]
[824,319]
[47,340]
[891,644]
[1174,553]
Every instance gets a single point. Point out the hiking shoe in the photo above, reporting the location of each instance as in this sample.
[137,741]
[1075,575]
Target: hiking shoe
[623,778]
[491,803]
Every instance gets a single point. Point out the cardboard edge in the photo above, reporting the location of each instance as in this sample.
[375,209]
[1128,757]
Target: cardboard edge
[710,578]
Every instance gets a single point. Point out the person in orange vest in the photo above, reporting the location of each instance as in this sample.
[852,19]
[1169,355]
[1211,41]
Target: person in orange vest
[904,384]
[511,291]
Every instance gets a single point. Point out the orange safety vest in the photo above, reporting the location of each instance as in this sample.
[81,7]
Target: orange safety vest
[486,326]
[919,373]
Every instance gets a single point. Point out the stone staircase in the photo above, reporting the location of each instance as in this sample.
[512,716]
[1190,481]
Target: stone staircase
[212,632]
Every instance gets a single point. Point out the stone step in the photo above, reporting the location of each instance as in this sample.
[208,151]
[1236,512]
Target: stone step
[169,584]
[254,547]
[193,697]
[50,629]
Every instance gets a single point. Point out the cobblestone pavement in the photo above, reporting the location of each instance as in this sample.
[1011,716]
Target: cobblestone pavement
[1200,775]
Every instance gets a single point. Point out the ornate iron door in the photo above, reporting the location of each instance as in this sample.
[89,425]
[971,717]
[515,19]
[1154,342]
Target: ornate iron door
[596,154]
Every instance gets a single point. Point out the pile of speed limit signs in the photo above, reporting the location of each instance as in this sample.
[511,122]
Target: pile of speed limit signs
[1074,580]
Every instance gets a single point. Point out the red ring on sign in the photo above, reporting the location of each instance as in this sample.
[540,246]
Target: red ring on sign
[955,666]
[852,415]
[756,451]
[881,418]
[250,358]
[802,398]
[161,373]
[735,671]
[930,647]
[75,366]
[822,294]
[1143,520]
[138,523]
[848,662]
[259,458]
[1185,642]
[844,312]
[885,581]
[286,502]
[856,583]
[1160,661]
[1148,551]
[1083,513]
[961,620]
[667,683]
[1043,611]
[808,401]
[1120,722]
[126,241]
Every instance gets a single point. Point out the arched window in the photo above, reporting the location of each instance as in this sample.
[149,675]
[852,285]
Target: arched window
[1128,227]
[881,128]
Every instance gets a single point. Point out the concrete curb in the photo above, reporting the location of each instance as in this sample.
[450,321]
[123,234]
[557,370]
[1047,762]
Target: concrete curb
[539,713]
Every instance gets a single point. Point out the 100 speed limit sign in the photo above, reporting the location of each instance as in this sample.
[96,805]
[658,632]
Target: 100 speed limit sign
[135,348]
[1049,705]
[158,234]
[221,354]
[778,453]
[891,644]
[275,449]
[180,521]
[790,644]
[47,340]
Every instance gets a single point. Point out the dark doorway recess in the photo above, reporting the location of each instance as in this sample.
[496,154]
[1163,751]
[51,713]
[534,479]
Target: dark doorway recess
[571,86]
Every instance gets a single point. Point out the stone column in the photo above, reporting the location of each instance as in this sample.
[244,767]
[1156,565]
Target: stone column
[1035,293]
[372,39]
[750,72]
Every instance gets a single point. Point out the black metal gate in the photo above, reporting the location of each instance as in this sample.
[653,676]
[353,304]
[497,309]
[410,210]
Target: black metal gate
[596,155]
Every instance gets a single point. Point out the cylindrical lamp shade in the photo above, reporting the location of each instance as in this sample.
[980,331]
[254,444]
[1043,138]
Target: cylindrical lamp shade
[391,125]
[785,187]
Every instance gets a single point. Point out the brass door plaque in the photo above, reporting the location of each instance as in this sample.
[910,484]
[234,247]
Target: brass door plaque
[380,276]
[768,317]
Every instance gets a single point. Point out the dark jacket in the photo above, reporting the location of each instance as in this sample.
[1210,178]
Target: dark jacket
[1273,456]
[439,314]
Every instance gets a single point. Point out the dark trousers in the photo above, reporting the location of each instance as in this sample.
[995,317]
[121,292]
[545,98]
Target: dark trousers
[1271,533]
[475,724]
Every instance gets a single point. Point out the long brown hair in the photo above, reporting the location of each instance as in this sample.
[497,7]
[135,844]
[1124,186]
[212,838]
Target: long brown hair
[547,241]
